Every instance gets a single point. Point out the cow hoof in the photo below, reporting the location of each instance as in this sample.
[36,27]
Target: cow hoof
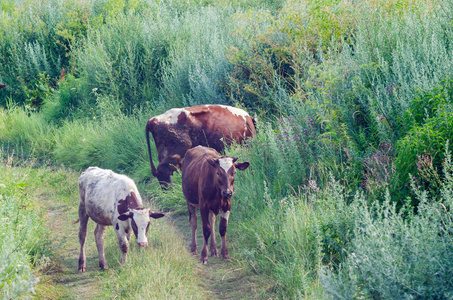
[103,267]
[214,253]
[204,261]
[82,269]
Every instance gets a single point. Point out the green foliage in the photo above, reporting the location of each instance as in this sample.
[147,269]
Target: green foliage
[196,69]
[393,256]
[290,238]
[25,133]
[111,141]
[432,104]
[421,153]
[67,102]
[30,60]
[123,59]
[262,62]
[24,243]
[336,86]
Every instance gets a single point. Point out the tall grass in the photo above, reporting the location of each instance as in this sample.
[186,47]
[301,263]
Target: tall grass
[111,140]
[165,269]
[335,93]
[197,68]
[24,243]
[123,58]
[393,256]
[25,133]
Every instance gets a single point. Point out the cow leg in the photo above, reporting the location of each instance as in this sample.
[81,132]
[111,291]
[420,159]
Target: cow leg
[204,212]
[83,218]
[99,234]
[123,242]
[222,230]
[213,246]
[193,227]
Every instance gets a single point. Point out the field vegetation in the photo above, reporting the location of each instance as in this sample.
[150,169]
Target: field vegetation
[349,193]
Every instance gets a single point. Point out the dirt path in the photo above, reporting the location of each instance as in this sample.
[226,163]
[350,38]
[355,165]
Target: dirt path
[72,284]
[221,279]
[225,279]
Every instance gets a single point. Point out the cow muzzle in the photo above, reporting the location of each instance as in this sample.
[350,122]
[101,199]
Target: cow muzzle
[227,194]
[142,244]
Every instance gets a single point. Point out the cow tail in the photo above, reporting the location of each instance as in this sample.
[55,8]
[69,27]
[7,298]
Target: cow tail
[153,169]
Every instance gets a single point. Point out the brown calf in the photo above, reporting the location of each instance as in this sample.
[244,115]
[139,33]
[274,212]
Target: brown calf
[208,183]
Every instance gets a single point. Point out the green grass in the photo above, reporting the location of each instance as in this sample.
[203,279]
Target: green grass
[348,95]
[42,205]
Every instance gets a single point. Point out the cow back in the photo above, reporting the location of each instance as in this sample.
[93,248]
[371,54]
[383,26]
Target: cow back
[104,191]
[197,174]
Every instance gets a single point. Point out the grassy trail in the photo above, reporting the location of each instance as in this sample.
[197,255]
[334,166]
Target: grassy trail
[226,279]
[217,280]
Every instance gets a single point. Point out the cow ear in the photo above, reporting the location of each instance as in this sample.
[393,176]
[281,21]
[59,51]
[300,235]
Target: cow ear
[173,169]
[125,216]
[242,165]
[213,162]
[155,215]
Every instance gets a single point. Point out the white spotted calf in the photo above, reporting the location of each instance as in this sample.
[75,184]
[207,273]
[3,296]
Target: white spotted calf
[111,199]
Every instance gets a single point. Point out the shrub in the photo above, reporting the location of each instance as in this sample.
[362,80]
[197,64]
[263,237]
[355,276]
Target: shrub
[290,238]
[196,69]
[420,153]
[393,256]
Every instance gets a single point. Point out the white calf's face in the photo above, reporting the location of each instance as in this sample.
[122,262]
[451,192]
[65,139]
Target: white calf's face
[140,220]
[140,225]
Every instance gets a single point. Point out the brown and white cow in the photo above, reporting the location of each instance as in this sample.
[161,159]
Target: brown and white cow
[180,129]
[208,184]
[111,199]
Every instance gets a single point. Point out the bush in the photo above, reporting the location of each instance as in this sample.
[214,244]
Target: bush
[196,69]
[421,151]
[397,254]
[290,238]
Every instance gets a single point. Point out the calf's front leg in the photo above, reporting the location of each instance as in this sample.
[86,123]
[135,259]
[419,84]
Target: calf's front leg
[222,230]
[123,242]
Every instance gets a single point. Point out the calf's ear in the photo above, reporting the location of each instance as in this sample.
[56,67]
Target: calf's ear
[242,165]
[155,215]
[125,216]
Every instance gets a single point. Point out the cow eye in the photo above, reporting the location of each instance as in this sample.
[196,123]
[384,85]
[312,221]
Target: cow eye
[218,173]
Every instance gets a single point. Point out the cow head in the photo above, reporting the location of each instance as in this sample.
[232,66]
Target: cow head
[140,220]
[166,169]
[225,170]
[164,173]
